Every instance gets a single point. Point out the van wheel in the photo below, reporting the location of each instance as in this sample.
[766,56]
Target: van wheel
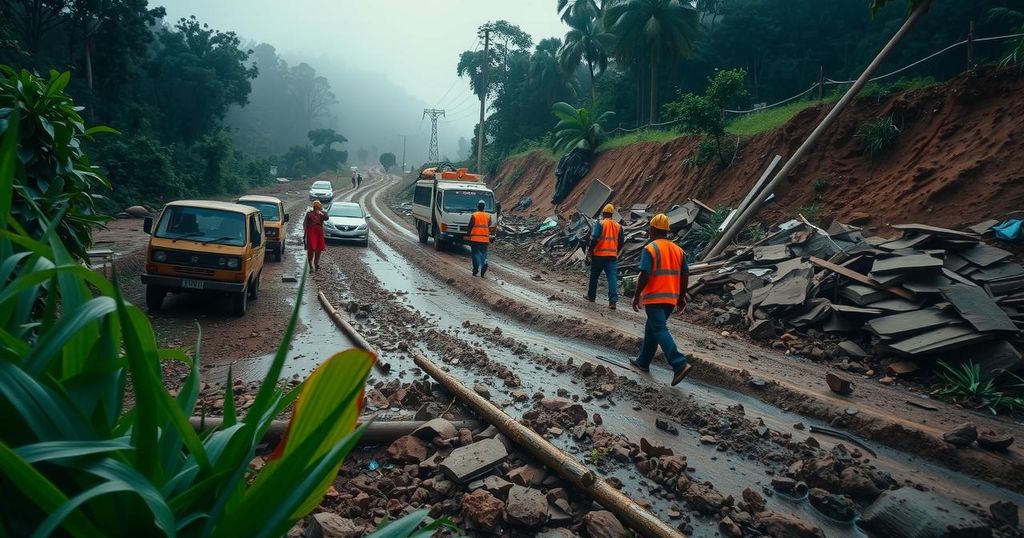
[155,298]
[254,287]
[279,254]
[422,229]
[240,303]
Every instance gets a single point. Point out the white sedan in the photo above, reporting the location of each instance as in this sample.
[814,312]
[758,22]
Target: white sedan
[347,221]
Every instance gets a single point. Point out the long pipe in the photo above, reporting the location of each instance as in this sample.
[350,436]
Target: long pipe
[351,332]
[575,472]
[815,135]
[376,432]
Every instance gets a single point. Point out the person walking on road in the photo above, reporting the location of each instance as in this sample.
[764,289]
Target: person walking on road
[479,236]
[359,180]
[354,180]
[603,254]
[313,235]
[661,289]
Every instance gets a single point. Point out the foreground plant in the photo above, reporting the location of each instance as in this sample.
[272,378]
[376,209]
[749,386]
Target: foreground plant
[76,459]
[966,386]
[577,128]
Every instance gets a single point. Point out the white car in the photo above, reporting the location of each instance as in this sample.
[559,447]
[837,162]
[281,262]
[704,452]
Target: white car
[321,190]
[347,221]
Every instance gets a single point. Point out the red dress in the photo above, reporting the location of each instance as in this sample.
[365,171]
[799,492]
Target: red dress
[314,226]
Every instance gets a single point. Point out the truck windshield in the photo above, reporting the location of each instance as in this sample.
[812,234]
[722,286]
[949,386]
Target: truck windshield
[269,210]
[465,201]
[202,225]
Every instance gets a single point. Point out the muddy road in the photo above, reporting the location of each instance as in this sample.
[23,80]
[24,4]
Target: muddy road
[520,336]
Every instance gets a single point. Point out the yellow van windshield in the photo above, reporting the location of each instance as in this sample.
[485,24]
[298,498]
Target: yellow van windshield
[202,225]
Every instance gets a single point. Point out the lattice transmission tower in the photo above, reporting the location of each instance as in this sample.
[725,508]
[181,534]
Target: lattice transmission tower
[434,113]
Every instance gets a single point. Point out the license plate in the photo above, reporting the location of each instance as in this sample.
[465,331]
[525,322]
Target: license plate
[190,284]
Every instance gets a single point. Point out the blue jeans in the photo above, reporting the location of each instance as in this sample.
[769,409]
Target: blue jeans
[479,251]
[608,266]
[656,334]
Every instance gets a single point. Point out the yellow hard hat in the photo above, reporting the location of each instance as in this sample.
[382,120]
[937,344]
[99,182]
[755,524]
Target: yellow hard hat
[660,222]
[608,208]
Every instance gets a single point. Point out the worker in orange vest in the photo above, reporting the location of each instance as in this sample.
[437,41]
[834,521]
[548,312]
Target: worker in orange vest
[661,289]
[605,244]
[479,236]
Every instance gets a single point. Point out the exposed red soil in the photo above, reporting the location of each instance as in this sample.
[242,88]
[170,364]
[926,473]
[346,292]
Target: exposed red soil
[959,160]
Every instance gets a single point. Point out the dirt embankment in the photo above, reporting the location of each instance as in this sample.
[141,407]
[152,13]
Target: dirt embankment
[961,145]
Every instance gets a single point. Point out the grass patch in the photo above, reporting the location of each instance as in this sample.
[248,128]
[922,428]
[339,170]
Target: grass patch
[544,153]
[764,121]
[646,135]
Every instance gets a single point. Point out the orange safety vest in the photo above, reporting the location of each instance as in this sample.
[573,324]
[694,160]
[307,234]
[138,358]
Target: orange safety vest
[663,280]
[479,228]
[607,245]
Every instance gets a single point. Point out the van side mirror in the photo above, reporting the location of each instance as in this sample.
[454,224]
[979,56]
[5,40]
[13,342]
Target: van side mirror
[286,217]
[147,225]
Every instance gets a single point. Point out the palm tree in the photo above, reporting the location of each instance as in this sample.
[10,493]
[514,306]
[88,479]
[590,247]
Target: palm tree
[577,128]
[546,76]
[661,30]
[586,41]
[573,8]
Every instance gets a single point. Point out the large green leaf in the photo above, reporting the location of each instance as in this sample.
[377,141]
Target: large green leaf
[51,450]
[69,327]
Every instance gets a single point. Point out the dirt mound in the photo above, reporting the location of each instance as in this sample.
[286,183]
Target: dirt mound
[959,159]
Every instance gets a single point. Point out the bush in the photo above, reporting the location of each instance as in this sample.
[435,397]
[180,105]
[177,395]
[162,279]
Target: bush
[878,135]
[577,128]
[53,181]
[703,114]
[697,240]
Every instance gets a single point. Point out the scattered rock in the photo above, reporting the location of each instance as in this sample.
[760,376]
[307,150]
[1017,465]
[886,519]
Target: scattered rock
[586,369]
[328,525]
[856,484]
[665,426]
[704,498]
[603,524]
[482,390]
[437,427]
[654,450]
[754,501]
[990,440]
[1005,512]
[789,486]
[708,440]
[468,462]
[729,528]
[838,384]
[838,507]
[482,508]
[407,449]
[849,348]
[779,525]
[137,212]
[910,513]
[962,435]
[761,329]
[527,475]
[597,419]
[526,507]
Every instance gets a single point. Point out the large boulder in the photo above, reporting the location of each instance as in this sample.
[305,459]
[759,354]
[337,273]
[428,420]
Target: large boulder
[526,507]
[328,525]
[407,449]
[603,524]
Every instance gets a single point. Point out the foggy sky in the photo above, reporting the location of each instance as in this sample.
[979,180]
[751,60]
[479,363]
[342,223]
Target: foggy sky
[413,43]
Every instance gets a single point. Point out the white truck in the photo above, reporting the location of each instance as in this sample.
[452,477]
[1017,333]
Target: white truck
[442,203]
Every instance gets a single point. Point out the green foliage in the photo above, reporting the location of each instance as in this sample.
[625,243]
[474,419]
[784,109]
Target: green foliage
[659,136]
[387,160]
[703,114]
[598,454]
[766,120]
[77,455]
[586,41]
[878,90]
[821,185]
[325,138]
[1014,53]
[701,234]
[127,158]
[810,211]
[753,233]
[54,181]
[578,129]
[878,135]
[965,385]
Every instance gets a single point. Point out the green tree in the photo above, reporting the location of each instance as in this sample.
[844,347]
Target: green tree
[655,30]
[577,128]
[575,8]
[387,160]
[703,113]
[325,138]
[589,42]
[55,184]
[508,39]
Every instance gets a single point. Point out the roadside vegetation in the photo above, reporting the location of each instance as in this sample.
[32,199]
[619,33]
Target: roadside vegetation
[878,135]
[964,385]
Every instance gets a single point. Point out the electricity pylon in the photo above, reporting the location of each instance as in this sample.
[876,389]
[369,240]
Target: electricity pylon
[434,113]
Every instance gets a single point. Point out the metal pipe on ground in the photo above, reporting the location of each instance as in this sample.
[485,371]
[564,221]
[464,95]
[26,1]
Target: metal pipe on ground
[569,468]
[376,433]
[351,332]
[740,221]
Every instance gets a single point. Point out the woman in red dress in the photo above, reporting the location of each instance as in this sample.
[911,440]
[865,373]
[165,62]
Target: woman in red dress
[313,233]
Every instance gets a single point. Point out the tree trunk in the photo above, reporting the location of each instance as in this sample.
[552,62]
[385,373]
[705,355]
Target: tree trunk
[88,76]
[654,91]
[593,92]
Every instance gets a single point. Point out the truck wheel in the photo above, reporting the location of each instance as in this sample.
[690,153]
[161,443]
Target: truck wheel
[422,229]
[155,298]
[439,245]
[280,252]
[254,287]
[240,303]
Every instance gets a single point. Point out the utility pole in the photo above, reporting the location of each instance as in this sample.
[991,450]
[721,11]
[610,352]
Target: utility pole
[434,113]
[483,98]
[404,137]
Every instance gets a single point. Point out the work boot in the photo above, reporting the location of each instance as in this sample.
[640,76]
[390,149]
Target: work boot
[483,270]
[681,374]
[588,299]
[611,306]
[636,365]
[474,271]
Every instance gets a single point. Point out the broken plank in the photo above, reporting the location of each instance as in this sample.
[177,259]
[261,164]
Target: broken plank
[863,279]
[978,308]
[934,230]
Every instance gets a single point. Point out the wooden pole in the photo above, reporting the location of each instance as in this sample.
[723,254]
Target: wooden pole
[970,47]
[821,82]
[377,432]
[816,135]
[575,472]
[483,99]
[351,332]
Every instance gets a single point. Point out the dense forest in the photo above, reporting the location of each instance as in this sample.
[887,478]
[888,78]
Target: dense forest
[634,57]
[169,88]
